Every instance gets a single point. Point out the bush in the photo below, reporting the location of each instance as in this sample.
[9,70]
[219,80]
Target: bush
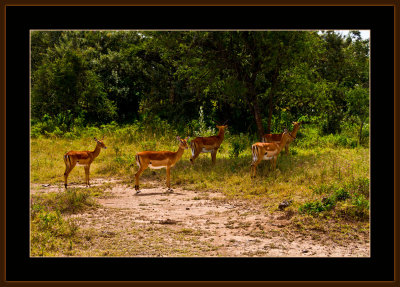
[238,144]
[315,207]
[310,137]
[359,185]
[354,193]
[341,194]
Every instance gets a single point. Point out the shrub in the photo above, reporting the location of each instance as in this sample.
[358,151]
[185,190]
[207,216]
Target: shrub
[315,207]
[359,185]
[238,144]
[341,194]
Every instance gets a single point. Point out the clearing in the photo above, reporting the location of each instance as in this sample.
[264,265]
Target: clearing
[192,223]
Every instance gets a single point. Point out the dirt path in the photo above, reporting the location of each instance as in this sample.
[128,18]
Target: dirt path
[191,223]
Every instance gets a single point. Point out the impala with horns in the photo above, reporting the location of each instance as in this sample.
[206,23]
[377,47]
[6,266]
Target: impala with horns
[267,151]
[84,158]
[159,159]
[269,138]
[208,144]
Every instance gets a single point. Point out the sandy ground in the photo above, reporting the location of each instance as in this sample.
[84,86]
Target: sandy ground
[192,223]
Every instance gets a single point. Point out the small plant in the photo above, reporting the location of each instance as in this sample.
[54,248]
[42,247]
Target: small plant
[341,194]
[315,207]
[238,145]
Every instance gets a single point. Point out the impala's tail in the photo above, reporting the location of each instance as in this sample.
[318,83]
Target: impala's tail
[254,150]
[67,161]
[193,148]
[137,160]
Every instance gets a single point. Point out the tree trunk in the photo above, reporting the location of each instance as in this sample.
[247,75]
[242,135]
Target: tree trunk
[255,108]
[270,110]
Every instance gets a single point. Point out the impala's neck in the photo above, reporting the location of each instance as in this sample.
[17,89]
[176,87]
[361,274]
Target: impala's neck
[283,141]
[221,133]
[294,131]
[179,153]
[96,151]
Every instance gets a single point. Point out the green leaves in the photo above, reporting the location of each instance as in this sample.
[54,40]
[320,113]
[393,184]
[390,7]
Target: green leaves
[257,79]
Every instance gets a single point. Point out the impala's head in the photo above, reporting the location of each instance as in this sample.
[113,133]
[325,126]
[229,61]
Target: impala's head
[100,143]
[223,127]
[285,133]
[183,142]
[297,124]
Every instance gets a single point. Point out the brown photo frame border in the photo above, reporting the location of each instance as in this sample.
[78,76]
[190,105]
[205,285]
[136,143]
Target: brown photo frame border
[6,3]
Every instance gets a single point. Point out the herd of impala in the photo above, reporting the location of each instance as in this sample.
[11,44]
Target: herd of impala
[268,149]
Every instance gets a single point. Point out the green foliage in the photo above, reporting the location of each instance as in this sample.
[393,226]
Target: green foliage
[200,127]
[311,137]
[49,230]
[355,193]
[341,194]
[254,79]
[316,207]
[238,144]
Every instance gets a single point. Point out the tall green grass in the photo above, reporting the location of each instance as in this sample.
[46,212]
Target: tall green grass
[326,178]
[314,161]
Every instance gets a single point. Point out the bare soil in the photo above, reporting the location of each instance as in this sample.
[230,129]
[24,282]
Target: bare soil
[192,223]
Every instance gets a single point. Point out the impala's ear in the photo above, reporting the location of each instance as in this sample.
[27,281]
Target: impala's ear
[95,139]
[285,130]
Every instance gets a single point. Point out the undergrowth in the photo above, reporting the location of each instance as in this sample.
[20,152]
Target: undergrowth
[326,178]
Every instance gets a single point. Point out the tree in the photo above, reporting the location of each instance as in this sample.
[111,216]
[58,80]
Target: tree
[358,107]
[66,87]
[239,68]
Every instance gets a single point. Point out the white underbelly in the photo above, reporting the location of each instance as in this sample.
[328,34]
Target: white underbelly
[156,167]
[82,164]
[268,157]
[206,150]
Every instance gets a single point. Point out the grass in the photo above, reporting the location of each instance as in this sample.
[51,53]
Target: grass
[327,183]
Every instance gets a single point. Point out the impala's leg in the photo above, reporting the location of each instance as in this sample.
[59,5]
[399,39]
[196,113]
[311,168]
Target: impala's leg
[254,165]
[195,154]
[69,167]
[137,175]
[274,162]
[87,167]
[252,168]
[287,149]
[66,170]
[169,178]
[214,156]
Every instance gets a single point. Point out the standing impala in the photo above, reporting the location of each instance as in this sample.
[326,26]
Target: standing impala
[159,159]
[267,151]
[269,138]
[207,144]
[84,158]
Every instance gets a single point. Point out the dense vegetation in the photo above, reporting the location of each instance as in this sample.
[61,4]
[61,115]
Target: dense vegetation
[260,81]
[142,89]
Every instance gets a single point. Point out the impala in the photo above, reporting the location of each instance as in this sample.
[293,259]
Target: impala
[159,159]
[268,138]
[84,158]
[207,144]
[267,151]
